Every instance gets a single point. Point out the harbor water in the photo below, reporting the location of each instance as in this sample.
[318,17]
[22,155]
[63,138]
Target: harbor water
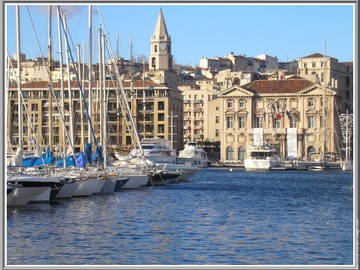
[218,217]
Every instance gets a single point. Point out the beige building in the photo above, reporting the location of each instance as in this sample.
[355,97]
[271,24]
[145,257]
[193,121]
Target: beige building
[152,120]
[274,106]
[332,74]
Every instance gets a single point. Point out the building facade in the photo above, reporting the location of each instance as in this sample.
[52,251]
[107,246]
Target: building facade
[275,106]
[150,112]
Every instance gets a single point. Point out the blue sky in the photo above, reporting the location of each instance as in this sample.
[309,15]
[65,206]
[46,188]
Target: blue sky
[285,31]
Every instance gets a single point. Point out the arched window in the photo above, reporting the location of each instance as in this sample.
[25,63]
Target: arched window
[241,153]
[236,81]
[229,153]
[153,64]
[155,48]
[310,151]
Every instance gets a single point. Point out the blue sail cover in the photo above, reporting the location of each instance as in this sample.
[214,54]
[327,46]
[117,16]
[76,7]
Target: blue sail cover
[45,159]
[81,161]
[97,156]
[87,150]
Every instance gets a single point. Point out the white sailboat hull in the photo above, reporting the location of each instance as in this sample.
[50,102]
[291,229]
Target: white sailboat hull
[23,195]
[67,190]
[109,186]
[135,181]
[88,187]
[43,196]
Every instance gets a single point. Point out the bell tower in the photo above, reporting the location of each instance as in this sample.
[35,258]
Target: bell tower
[160,48]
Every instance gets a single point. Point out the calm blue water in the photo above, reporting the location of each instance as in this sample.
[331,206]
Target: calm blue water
[219,217]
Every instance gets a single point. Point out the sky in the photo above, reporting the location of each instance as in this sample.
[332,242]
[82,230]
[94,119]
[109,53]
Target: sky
[286,31]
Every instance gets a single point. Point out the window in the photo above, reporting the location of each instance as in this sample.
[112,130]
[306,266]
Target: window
[217,119]
[277,123]
[155,48]
[229,153]
[217,108]
[322,64]
[241,153]
[229,122]
[241,104]
[313,64]
[305,65]
[160,128]
[216,133]
[311,102]
[161,117]
[153,64]
[311,121]
[229,104]
[161,105]
[259,121]
[242,122]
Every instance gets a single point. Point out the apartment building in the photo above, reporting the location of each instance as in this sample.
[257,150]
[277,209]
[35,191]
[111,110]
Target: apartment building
[151,105]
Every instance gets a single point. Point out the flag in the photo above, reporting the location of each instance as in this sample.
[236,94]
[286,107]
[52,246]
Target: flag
[278,116]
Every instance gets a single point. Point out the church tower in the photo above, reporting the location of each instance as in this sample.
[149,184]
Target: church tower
[160,51]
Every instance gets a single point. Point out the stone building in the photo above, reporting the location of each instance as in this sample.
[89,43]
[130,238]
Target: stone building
[275,106]
[331,73]
[152,120]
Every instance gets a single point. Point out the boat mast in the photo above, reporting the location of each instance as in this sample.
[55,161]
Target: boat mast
[90,71]
[80,101]
[323,112]
[20,111]
[101,89]
[104,107]
[347,137]
[69,88]
[62,84]
[144,96]
[50,80]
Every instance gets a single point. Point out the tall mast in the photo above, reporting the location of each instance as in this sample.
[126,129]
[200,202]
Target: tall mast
[80,99]
[101,88]
[50,79]
[90,71]
[20,111]
[62,84]
[69,88]
[323,112]
[144,97]
[347,137]
[117,46]
[104,107]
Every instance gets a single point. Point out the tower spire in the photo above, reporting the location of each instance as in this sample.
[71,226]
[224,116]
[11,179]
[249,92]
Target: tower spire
[160,32]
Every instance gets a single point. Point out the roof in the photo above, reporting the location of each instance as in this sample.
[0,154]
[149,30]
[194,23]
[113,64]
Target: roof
[315,55]
[160,28]
[74,84]
[277,86]
[347,63]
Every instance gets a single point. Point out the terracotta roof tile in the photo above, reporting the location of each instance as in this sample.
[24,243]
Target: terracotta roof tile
[315,55]
[277,86]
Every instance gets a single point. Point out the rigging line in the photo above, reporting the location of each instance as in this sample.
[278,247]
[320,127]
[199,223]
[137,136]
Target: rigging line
[123,91]
[27,114]
[79,84]
[53,93]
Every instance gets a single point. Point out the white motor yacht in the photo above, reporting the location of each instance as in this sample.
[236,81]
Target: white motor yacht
[194,155]
[262,158]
